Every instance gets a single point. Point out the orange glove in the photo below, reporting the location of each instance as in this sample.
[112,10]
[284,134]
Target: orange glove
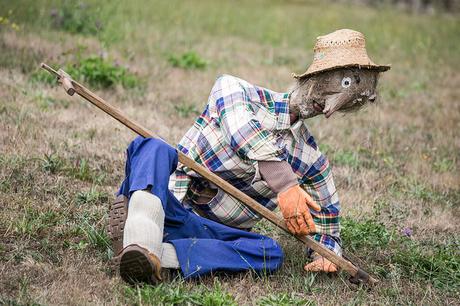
[294,203]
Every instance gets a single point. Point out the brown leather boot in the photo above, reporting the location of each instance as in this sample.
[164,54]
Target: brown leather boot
[138,265]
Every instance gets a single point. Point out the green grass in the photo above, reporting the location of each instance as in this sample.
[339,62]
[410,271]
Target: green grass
[52,163]
[94,71]
[284,299]
[346,158]
[435,262]
[96,237]
[180,295]
[24,59]
[186,110]
[75,17]
[443,164]
[420,37]
[368,234]
[32,222]
[47,103]
[187,60]
[79,168]
[91,196]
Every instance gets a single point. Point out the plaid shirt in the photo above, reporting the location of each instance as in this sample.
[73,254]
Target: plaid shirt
[241,125]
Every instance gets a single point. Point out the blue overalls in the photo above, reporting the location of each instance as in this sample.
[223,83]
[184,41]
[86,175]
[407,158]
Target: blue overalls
[202,245]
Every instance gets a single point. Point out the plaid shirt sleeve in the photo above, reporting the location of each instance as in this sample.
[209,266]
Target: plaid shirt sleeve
[315,173]
[234,106]
[319,183]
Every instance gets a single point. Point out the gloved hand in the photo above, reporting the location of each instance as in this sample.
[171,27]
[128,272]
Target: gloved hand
[294,203]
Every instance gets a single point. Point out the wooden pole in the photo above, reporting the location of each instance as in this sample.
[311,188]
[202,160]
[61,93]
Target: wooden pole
[72,87]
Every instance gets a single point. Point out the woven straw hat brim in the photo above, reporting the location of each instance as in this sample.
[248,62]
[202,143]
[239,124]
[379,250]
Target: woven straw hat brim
[310,72]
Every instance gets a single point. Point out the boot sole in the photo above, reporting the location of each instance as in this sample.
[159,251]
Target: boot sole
[118,213]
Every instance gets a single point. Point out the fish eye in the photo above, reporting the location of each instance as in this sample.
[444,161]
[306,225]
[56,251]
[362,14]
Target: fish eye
[346,82]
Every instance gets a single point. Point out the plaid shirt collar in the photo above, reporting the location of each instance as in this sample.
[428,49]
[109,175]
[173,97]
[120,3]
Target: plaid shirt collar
[284,119]
[282,111]
[297,131]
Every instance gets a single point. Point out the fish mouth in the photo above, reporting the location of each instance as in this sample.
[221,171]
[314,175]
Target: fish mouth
[333,102]
[328,114]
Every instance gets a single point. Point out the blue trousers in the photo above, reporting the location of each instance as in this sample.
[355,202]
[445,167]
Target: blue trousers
[202,245]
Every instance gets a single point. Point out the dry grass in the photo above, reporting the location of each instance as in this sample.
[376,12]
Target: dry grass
[396,163]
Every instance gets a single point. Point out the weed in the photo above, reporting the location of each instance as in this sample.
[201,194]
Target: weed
[421,191]
[40,76]
[369,234]
[95,237]
[46,102]
[214,297]
[390,210]
[80,245]
[176,294]
[94,71]
[91,197]
[186,110]
[264,227]
[159,295]
[284,299]
[443,164]
[346,158]
[75,17]
[33,222]
[188,60]
[369,160]
[81,170]
[52,163]
[325,148]
[437,263]
[101,73]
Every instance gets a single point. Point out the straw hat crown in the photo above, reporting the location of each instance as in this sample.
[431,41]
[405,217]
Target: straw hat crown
[341,49]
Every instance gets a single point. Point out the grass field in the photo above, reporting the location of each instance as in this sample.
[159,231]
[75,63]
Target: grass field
[396,163]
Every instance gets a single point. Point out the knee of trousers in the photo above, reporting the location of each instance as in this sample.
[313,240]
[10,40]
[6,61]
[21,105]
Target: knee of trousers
[142,143]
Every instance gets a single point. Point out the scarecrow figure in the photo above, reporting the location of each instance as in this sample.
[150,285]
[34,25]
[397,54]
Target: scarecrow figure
[257,140]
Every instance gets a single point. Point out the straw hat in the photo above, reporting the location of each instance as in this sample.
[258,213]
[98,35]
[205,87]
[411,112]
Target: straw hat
[340,49]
